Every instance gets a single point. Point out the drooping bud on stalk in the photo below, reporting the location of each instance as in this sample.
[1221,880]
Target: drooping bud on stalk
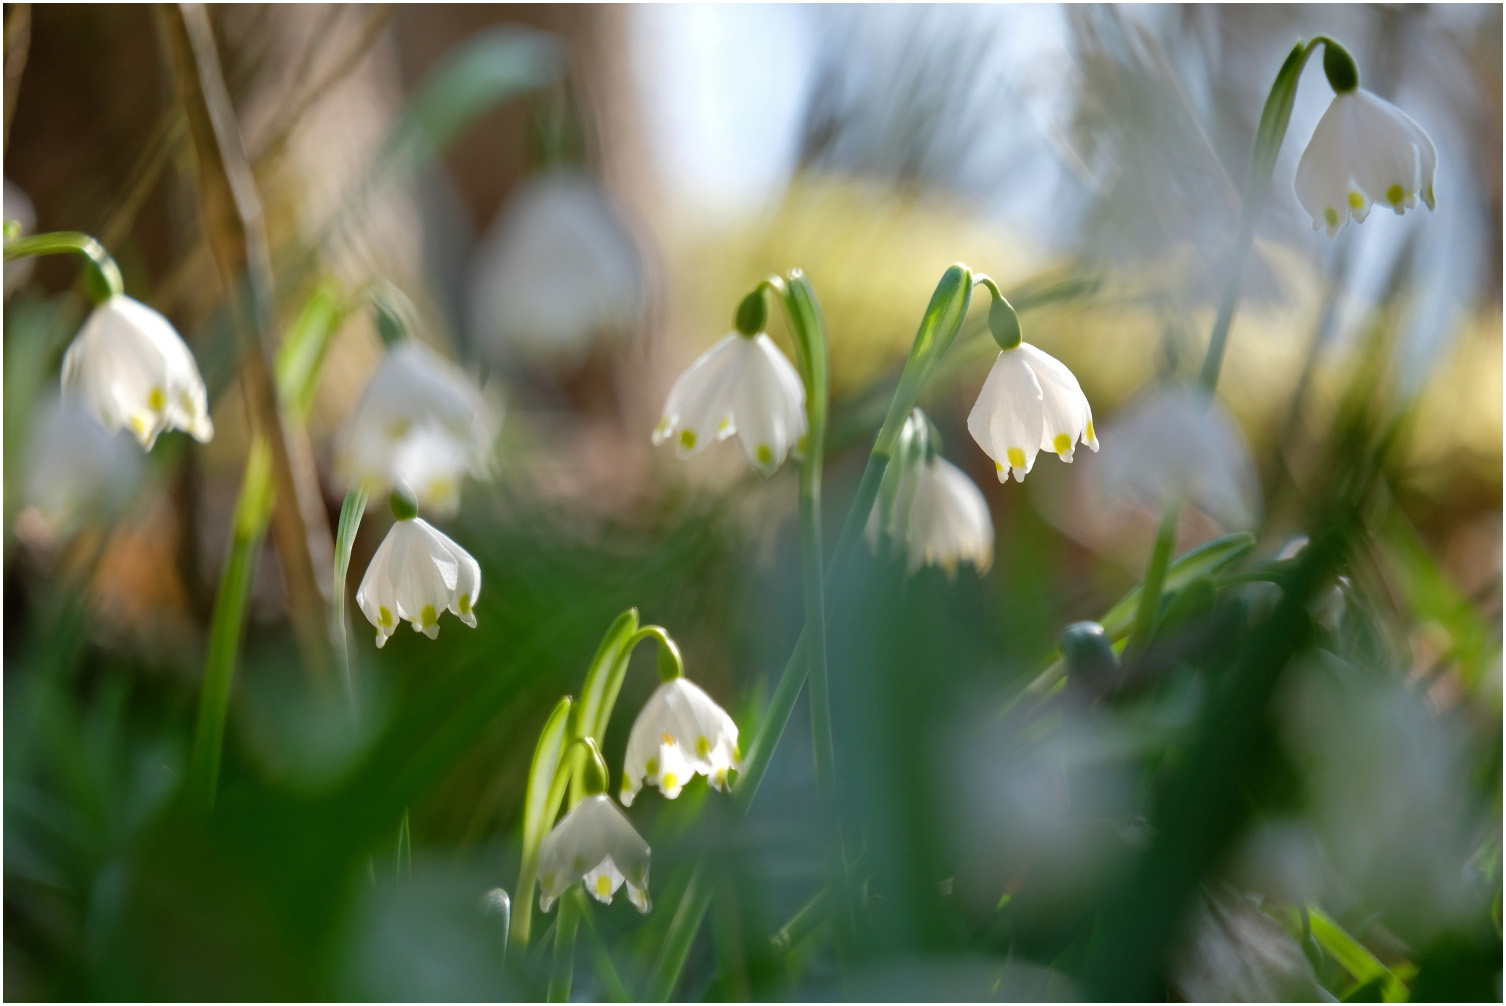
[1003,322]
[752,314]
[593,776]
[1089,656]
[671,665]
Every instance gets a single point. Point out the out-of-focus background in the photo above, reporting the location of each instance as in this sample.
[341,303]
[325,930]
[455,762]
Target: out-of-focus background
[575,248]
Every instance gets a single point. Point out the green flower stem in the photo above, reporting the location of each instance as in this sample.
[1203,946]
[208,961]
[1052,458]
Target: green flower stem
[938,329]
[72,242]
[1274,118]
[1155,580]
[564,947]
[351,512]
[540,805]
[248,529]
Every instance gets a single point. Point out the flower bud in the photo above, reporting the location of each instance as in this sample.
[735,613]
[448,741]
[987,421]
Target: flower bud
[1088,654]
[1003,322]
[1338,66]
[752,314]
[404,502]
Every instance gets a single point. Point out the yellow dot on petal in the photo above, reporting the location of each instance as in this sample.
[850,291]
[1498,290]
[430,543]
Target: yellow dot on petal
[464,604]
[687,439]
[1356,201]
[998,468]
[702,746]
[1395,194]
[722,426]
[384,616]
[765,454]
[669,738]
[663,426]
[1062,443]
[139,425]
[1016,457]
[1332,216]
[1427,195]
[670,781]
[651,766]
[603,885]
[429,616]
[157,400]
[1090,433]
[737,753]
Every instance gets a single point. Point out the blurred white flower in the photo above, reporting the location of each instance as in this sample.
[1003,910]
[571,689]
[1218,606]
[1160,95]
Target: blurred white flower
[1029,403]
[594,843]
[17,207]
[680,733]
[1176,444]
[1364,151]
[422,421]
[742,385]
[418,572]
[559,269]
[78,470]
[937,514]
[132,370]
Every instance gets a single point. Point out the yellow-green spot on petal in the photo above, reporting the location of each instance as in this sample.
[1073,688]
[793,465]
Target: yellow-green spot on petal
[737,753]
[687,439]
[1427,196]
[138,425]
[800,444]
[1016,457]
[429,616]
[702,746]
[669,738]
[663,426]
[548,881]
[1061,443]
[157,400]
[998,468]
[464,604]
[651,766]
[670,781]
[384,616]
[397,429]
[1091,435]
[1356,201]
[603,885]
[765,454]
[723,426]
[1395,194]
[1332,216]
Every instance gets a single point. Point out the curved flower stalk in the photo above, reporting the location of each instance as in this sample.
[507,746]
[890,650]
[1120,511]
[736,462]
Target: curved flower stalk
[594,844]
[1177,445]
[745,386]
[132,370]
[1030,402]
[417,573]
[1365,151]
[934,512]
[680,733]
[421,421]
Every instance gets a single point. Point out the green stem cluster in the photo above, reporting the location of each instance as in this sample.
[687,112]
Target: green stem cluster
[105,276]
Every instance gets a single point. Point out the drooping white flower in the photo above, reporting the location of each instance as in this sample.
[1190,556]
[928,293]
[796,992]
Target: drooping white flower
[417,573]
[130,368]
[77,470]
[1177,445]
[596,844]
[936,514]
[422,421]
[1364,151]
[559,269]
[742,385]
[681,733]
[1030,403]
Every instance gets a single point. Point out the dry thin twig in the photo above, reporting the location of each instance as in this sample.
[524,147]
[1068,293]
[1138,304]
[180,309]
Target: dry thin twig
[237,240]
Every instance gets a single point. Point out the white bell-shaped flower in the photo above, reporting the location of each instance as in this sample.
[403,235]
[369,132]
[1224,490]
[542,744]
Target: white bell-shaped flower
[130,368]
[417,573]
[934,512]
[681,733]
[596,844]
[742,385]
[1177,445]
[559,269]
[1365,151]
[77,470]
[1030,403]
[422,421]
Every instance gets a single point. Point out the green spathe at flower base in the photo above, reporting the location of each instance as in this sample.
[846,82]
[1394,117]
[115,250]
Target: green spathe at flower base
[1338,66]
[752,313]
[404,503]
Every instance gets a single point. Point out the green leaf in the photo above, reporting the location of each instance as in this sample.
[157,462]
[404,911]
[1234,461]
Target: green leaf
[1201,561]
[301,356]
[598,694]
[1358,961]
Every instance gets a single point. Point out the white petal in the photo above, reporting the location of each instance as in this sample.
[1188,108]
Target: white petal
[1009,416]
[416,573]
[768,404]
[1323,172]
[950,521]
[1386,155]
[1066,408]
[699,405]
